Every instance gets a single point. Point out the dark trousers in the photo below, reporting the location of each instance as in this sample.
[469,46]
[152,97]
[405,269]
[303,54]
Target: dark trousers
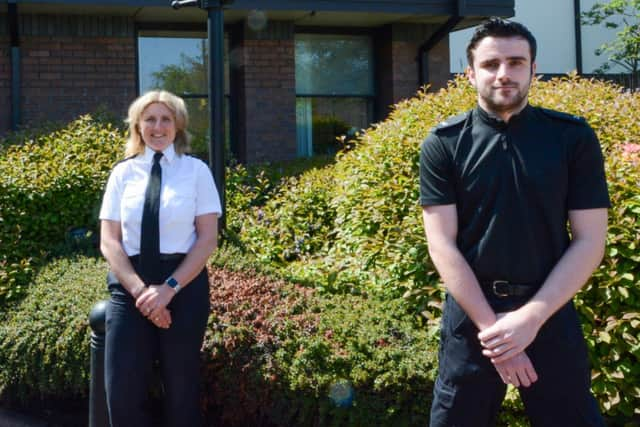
[133,343]
[469,392]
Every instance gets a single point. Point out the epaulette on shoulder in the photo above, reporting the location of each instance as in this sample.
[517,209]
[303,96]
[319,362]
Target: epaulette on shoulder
[558,115]
[452,122]
[125,159]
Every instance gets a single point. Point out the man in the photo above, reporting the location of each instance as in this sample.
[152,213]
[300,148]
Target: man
[498,185]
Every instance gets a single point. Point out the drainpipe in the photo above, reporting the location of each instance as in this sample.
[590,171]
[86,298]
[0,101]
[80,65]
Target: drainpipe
[436,37]
[15,64]
[578,30]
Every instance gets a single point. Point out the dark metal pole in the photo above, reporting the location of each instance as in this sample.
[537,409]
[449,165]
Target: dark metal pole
[14,35]
[98,415]
[578,31]
[215,27]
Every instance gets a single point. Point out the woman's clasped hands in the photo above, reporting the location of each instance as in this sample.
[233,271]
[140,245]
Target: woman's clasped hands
[152,303]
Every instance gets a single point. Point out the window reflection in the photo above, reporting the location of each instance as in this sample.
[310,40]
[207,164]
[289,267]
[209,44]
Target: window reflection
[177,62]
[334,88]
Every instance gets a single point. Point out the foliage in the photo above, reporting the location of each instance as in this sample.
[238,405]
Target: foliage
[362,221]
[610,303]
[49,184]
[625,49]
[44,341]
[351,229]
[274,353]
[279,354]
[287,230]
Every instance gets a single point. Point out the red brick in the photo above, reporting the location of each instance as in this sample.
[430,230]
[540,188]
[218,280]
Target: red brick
[64,77]
[39,53]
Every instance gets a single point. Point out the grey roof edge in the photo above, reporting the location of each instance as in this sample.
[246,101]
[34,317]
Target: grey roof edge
[436,7]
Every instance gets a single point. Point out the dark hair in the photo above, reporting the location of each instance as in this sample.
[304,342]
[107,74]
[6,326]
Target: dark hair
[498,27]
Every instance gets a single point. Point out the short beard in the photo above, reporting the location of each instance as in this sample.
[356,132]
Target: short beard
[517,103]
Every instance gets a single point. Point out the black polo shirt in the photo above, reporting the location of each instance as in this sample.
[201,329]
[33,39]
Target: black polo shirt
[513,185]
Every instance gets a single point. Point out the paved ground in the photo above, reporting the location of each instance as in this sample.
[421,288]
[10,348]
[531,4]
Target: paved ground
[14,419]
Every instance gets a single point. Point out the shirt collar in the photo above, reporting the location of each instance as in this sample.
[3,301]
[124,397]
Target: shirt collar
[168,154]
[496,122]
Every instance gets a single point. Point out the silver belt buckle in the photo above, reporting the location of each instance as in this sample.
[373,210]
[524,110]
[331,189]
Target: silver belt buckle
[495,285]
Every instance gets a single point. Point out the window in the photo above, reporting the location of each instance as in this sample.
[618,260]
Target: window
[177,62]
[334,89]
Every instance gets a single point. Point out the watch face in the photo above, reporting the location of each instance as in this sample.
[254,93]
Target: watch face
[172,282]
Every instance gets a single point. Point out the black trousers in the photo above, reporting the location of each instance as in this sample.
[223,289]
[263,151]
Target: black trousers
[469,391]
[133,343]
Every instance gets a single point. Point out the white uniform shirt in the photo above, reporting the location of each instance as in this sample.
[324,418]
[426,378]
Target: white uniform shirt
[187,191]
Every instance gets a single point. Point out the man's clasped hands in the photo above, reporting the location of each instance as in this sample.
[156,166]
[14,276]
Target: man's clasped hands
[504,343]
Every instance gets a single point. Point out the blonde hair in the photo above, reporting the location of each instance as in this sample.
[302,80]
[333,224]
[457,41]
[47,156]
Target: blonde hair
[135,144]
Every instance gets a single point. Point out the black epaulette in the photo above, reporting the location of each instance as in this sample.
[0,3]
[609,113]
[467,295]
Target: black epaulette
[452,122]
[125,159]
[563,116]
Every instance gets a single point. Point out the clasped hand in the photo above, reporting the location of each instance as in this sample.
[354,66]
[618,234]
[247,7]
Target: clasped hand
[504,343]
[152,303]
[510,335]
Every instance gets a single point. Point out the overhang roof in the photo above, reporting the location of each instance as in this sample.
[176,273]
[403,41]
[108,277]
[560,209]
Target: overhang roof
[335,13]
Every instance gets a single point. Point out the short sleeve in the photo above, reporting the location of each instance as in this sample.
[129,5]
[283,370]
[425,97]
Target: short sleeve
[207,198]
[436,173]
[112,198]
[587,180]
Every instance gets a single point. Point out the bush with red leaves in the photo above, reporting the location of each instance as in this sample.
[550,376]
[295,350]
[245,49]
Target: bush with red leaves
[278,354]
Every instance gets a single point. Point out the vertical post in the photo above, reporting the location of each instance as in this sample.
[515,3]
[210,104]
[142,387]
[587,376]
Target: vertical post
[215,26]
[215,30]
[98,415]
[14,35]
[577,12]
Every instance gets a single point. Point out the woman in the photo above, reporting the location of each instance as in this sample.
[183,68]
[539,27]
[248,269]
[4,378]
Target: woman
[158,228]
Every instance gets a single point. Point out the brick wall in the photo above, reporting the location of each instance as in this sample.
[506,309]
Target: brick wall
[397,48]
[404,70]
[438,60]
[265,67]
[5,84]
[75,65]
[65,77]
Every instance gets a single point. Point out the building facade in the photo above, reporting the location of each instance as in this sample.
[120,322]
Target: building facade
[297,72]
[564,43]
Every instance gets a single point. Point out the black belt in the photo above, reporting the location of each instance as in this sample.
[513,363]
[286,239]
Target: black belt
[163,257]
[503,288]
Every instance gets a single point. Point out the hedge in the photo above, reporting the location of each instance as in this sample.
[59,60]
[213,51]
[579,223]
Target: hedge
[358,224]
[275,353]
[278,354]
[44,341]
[352,232]
[50,183]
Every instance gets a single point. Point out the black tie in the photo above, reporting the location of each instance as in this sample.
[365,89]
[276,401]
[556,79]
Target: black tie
[150,230]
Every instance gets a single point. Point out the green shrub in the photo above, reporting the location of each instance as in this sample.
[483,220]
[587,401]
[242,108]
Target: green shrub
[362,218]
[293,224]
[50,183]
[353,230]
[251,186]
[278,354]
[44,341]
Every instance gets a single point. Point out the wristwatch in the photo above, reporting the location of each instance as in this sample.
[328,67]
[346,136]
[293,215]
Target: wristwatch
[173,284]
